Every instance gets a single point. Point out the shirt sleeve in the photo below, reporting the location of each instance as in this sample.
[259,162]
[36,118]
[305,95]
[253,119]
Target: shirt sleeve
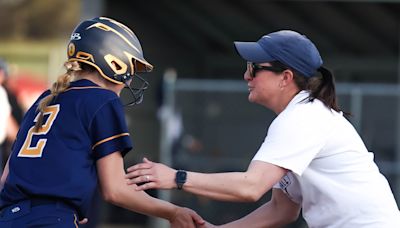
[108,130]
[295,138]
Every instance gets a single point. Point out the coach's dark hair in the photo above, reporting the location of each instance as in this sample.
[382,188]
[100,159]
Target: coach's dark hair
[59,86]
[321,86]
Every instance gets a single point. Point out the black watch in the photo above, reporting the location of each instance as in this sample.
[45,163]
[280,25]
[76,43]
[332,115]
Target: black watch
[180,178]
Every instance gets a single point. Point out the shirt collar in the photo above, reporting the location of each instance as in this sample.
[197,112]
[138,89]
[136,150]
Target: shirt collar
[83,83]
[300,97]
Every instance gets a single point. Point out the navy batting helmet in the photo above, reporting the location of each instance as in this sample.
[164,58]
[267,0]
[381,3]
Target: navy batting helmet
[112,49]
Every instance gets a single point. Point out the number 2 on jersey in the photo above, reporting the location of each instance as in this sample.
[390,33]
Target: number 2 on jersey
[35,151]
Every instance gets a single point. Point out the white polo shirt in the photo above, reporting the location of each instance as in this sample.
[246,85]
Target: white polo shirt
[4,113]
[332,174]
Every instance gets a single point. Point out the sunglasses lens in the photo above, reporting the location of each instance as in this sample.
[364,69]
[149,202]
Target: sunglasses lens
[250,68]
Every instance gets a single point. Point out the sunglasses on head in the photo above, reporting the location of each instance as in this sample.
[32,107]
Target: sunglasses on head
[254,68]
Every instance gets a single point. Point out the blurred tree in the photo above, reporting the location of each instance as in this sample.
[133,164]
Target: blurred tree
[37,19]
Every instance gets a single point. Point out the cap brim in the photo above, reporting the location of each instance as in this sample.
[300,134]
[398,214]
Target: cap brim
[252,52]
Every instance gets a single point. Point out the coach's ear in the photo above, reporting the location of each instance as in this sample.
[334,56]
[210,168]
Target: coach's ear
[287,78]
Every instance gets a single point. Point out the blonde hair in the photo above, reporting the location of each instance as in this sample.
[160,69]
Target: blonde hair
[59,86]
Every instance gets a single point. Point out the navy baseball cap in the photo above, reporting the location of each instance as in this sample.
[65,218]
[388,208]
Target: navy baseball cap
[288,47]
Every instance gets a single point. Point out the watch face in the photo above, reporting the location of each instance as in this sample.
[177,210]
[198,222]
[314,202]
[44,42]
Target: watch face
[181,176]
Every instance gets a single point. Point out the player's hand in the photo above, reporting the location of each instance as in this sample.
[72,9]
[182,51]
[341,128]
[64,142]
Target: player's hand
[152,175]
[186,218]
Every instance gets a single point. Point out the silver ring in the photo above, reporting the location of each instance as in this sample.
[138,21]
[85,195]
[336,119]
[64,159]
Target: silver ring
[147,177]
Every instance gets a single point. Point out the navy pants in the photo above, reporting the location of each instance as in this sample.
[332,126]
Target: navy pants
[25,214]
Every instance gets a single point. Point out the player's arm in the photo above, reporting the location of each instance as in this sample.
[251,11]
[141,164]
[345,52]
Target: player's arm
[5,174]
[115,190]
[277,212]
[246,186]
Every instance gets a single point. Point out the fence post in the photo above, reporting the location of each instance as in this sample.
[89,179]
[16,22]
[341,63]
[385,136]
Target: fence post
[166,116]
[356,107]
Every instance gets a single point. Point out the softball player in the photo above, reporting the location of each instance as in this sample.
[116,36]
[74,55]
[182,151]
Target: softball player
[75,136]
[312,157]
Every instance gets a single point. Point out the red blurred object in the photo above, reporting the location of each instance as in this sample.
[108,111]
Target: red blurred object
[27,87]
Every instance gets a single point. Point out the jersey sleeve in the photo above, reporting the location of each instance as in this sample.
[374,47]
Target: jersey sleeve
[108,130]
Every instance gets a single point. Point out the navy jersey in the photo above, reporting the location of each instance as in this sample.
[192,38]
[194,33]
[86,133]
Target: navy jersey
[81,125]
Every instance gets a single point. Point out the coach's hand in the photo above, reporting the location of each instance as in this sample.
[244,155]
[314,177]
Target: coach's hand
[151,175]
[186,218]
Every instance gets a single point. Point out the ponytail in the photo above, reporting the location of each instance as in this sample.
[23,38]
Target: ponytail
[321,87]
[324,90]
[58,87]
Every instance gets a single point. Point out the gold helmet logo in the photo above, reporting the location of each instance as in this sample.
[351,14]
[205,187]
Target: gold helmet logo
[71,49]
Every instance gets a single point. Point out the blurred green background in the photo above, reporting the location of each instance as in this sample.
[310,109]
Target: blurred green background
[33,33]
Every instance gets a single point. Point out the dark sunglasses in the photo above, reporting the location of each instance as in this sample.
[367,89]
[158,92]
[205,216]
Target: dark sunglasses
[254,68]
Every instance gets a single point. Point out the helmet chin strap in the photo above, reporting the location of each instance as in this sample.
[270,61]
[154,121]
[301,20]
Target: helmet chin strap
[137,93]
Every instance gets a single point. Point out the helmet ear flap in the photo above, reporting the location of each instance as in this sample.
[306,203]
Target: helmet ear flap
[116,65]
